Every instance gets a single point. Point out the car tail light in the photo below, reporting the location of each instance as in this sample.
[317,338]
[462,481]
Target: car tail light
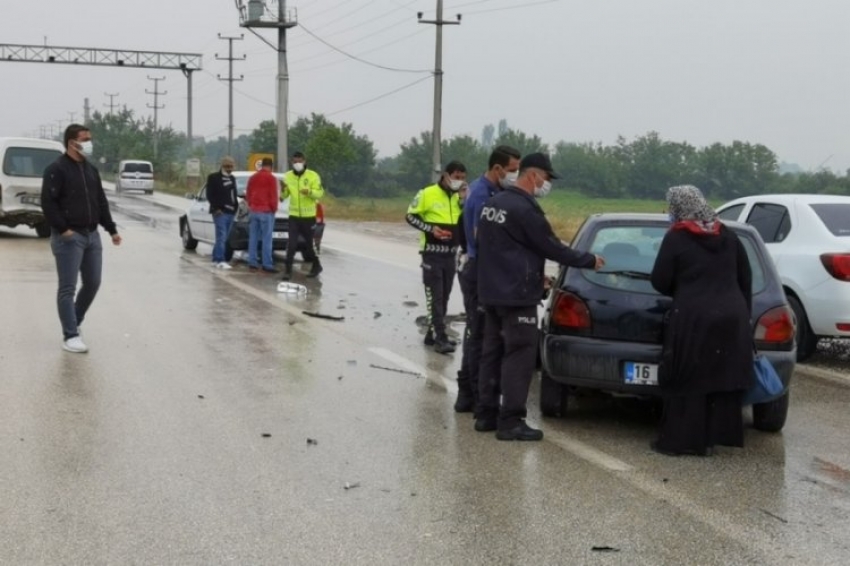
[569,311]
[838,265]
[775,327]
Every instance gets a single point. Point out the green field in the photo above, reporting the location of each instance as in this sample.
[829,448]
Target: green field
[566,211]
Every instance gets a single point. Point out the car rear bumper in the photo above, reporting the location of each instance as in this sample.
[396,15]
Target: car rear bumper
[600,364]
[238,239]
[827,306]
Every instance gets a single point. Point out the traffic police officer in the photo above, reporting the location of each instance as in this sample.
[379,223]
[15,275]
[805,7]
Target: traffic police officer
[435,211]
[303,187]
[514,240]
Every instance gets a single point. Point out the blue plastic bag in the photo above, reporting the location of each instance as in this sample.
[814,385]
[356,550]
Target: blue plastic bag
[767,387]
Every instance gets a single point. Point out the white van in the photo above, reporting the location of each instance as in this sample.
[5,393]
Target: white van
[134,175]
[22,165]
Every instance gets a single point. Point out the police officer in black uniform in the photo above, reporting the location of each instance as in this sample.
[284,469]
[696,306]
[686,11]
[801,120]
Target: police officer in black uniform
[514,240]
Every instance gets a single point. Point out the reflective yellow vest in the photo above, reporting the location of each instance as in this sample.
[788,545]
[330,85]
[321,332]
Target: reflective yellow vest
[302,206]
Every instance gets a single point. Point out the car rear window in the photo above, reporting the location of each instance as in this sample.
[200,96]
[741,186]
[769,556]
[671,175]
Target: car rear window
[138,168]
[836,217]
[630,253]
[28,161]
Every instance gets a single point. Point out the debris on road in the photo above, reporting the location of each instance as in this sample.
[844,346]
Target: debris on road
[312,442]
[774,515]
[293,288]
[266,435]
[404,371]
[201,397]
[377,315]
[320,315]
[348,486]
[410,304]
[604,549]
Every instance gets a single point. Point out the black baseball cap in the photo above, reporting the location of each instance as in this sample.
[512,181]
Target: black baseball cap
[538,161]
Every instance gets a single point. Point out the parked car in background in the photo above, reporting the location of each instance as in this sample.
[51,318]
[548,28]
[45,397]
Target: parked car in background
[602,330]
[808,237]
[22,165]
[197,224]
[134,175]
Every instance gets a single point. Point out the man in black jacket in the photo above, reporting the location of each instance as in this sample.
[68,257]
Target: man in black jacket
[221,194]
[514,241]
[74,203]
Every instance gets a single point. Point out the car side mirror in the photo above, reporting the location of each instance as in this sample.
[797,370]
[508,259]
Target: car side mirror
[190,196]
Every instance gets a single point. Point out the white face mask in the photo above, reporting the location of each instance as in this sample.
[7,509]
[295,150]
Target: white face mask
[455,184]
[509,180]
[298,167]
[543,189]
[86,148]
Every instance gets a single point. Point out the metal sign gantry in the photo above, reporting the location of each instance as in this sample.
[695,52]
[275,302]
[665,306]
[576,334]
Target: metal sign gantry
[187,63]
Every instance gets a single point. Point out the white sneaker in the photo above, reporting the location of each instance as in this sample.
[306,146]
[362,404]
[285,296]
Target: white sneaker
[224,265]
[75,345]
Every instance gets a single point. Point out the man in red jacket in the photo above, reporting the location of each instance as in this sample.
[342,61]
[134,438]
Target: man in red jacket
[262,195]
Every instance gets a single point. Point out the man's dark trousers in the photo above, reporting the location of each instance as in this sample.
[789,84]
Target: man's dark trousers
[302,227]
[510,350]
[473,336]
[438,274]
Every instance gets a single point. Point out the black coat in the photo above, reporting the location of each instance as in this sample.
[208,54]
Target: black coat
[221,193]
[708,340]
[72,197]
[514,241]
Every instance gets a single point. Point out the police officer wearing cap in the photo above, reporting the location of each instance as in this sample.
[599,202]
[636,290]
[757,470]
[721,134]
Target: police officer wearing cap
[514,240]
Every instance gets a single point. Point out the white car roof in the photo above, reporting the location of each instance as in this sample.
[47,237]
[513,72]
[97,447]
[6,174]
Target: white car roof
[792,198]
[31,142]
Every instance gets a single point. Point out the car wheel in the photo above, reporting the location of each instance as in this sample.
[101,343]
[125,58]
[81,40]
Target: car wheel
[42,230]
[189,243]
[807,342]
[770,417]
[553,397]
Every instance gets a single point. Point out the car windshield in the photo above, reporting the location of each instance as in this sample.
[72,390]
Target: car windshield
[630,252]
[835,216]
[28,161]
[137,168]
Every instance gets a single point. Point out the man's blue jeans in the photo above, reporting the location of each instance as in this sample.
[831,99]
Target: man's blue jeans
[76,255]
[223,223]
[260,227]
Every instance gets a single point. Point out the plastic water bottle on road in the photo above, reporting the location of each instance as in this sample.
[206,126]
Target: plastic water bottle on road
[292,288]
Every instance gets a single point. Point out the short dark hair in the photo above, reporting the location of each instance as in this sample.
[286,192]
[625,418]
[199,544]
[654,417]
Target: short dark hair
[455,166]
[267,162]
[502,156]
[72,131]
[298,154]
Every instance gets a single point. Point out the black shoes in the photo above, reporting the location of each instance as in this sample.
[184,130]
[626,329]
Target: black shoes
[443,347]
[520,432]
[315,269]
[484,424]
[287,272]
[465,402]
[709,451]
[430,340]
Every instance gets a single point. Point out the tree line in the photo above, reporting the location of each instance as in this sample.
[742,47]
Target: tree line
[640,168]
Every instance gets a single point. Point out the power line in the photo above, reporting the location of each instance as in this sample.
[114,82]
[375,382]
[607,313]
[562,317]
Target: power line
[312,68]
[350,56]
[529,4]
[379,97]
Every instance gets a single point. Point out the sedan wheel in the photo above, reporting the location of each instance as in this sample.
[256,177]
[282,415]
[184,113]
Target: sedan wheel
[553,397]
[189,243]
[807,342]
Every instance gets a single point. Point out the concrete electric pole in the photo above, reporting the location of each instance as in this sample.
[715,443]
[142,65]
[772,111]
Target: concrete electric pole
[156,107]
[86,111]
[111,104]
[252,14]
[436,133]
[230,80]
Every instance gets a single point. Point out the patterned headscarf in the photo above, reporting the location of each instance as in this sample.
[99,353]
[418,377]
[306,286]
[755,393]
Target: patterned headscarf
[686,202]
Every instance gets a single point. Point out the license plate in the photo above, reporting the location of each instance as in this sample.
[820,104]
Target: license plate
[637,373]
[279,235]
[31,199]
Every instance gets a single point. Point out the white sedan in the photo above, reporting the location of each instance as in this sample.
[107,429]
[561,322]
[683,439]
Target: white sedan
[808,237]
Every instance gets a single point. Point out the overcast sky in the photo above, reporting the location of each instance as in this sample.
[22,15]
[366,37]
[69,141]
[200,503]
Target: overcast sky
[774,72]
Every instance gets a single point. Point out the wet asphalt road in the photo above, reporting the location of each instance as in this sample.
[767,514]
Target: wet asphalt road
[212,422]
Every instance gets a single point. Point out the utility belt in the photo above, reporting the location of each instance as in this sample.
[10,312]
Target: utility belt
[449,250]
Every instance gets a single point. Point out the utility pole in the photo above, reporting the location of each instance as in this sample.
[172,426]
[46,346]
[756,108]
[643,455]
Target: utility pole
[230,80]
[156,107]
[252,14]
[436,133]
[111,101]
[86,111]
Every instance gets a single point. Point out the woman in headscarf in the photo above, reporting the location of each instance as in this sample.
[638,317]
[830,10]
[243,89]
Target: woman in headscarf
[707,357]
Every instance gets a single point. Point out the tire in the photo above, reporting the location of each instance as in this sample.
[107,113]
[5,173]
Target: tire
[42,230]
[770,417]
[807,342]
[553,397]
[189,243]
